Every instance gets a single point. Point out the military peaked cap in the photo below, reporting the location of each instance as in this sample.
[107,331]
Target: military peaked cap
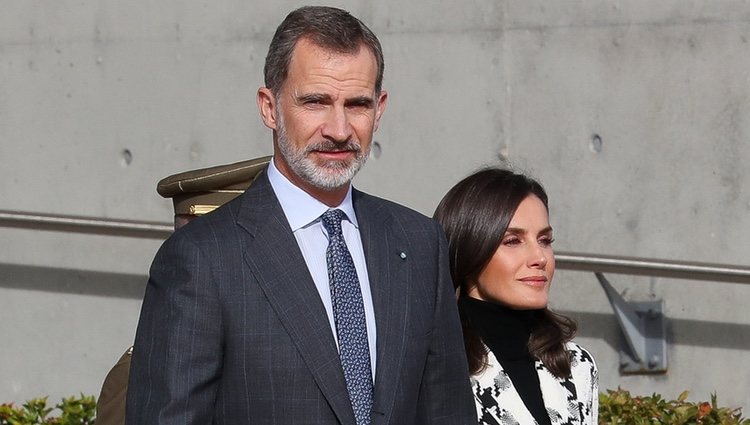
[201,191]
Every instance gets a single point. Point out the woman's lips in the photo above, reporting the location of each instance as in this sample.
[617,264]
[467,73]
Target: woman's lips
[534,280]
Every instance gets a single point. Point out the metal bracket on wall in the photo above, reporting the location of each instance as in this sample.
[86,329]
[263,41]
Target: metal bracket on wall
[645,329]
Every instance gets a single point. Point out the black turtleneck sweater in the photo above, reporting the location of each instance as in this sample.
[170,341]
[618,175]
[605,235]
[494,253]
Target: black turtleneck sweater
[506,333]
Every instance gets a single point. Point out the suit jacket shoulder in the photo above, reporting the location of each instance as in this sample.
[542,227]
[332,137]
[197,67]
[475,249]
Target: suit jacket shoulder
[410,221]
[371,201]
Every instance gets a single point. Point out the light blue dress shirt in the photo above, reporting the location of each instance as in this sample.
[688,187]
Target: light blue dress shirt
[303,213]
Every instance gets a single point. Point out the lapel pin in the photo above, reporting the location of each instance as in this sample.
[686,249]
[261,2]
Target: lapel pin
[402,255]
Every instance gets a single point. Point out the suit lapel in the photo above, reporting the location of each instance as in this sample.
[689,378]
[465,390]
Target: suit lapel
[272,253]
[388,276]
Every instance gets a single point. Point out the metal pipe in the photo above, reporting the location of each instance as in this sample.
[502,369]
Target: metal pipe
[565,260]
[77,224]
[652,267]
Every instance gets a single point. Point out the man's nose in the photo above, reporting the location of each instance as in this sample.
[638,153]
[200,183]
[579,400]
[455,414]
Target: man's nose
[337,126]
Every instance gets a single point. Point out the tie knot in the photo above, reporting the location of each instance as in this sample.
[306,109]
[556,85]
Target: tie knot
[332,221]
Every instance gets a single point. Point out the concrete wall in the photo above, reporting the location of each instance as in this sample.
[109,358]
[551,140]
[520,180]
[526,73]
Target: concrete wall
[634,114]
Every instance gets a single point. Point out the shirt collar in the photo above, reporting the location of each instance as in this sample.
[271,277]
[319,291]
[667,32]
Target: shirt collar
[299,207]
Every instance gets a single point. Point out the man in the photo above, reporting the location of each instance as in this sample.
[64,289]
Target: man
[304,301]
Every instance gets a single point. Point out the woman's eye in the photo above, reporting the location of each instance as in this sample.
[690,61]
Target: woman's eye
[511,241]
[546,241]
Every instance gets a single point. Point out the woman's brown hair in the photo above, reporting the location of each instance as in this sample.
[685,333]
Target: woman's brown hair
[475,214]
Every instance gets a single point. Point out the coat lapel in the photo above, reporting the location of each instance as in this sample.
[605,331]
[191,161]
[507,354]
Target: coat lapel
[388,275]
[555,396]
[272,253]
[496,383]
[554,393]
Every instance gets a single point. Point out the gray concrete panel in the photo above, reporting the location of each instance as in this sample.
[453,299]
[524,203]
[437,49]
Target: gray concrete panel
[440,121]
[669,173]
[112,117]
[707,346]
[601,13]
[444,17]
[642,151]
[67,329]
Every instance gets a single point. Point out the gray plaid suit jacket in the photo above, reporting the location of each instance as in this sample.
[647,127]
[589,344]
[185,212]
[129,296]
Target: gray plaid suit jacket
[232,329]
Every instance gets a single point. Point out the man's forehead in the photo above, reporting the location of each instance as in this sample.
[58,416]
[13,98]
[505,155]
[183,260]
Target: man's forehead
[308,43]
[316,69]
[307,53]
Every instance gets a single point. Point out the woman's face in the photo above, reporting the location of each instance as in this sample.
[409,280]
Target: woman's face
[520,272]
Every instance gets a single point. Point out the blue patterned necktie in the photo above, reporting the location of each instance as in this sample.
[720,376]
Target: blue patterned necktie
[349,316]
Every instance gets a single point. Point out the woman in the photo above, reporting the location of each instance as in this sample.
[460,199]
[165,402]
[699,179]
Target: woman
[525,369]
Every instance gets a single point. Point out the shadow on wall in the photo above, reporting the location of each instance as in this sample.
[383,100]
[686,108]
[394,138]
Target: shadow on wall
[695,333]
[83,282]
[591,325]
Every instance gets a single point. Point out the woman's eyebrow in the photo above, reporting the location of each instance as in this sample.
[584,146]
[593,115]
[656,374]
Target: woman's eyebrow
[520,231]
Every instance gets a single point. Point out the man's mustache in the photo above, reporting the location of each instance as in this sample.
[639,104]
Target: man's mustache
[329,146]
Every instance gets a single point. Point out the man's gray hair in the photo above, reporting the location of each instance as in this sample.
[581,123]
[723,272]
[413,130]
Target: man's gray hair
[327,27]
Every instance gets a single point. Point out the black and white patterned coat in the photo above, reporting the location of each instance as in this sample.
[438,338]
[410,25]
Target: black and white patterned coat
[569,401]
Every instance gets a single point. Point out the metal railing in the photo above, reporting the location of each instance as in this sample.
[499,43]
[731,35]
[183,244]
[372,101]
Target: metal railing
[652,267]
[642,323]
[78,224]
[565,260]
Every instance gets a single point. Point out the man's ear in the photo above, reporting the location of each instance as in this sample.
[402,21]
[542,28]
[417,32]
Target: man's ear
[267,107]
[380,108]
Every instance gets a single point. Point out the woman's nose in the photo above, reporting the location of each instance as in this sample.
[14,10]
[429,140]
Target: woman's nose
[537,257]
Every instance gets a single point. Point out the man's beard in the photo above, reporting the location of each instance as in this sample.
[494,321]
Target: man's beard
[328,175]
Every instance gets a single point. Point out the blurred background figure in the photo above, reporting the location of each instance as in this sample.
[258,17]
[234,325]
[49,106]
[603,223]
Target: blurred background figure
[194,193]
